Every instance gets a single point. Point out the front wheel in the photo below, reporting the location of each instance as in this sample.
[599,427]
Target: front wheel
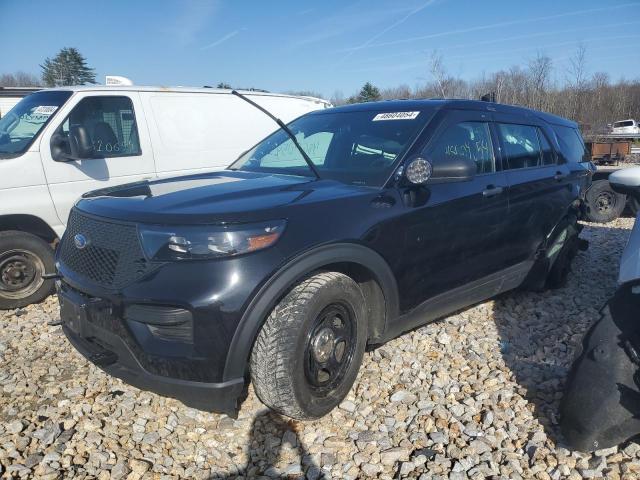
[24,258]
[308,353]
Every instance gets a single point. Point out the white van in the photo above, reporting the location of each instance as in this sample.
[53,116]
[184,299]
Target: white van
[625,127]
[57,144]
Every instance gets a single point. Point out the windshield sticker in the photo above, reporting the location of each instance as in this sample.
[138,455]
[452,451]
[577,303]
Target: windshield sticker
[45,110]
[396,116]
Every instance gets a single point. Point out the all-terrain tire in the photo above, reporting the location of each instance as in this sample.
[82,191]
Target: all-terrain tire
[603,204]
[24,254]
[282,352]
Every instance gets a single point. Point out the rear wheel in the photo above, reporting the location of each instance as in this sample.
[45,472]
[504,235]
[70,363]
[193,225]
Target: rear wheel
[604,205]
[24,258]
[308,353]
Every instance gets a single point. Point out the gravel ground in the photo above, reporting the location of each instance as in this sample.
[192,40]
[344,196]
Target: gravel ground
[475,395]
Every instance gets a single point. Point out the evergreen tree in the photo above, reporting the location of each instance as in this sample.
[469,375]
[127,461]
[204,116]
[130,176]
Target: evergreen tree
[68,67]
[368,93]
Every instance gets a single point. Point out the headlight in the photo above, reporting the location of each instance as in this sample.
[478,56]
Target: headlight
[203,241]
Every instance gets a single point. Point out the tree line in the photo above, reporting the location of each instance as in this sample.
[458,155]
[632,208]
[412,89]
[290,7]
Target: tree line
[67,67]
[594,101]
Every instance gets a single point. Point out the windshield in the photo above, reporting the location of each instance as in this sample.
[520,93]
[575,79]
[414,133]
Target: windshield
[359,148]
[23,122]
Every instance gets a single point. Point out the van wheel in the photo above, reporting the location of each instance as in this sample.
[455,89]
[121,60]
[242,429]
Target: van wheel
[308,353]
[604,205]
[23,259]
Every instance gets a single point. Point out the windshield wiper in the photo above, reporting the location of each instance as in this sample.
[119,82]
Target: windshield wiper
[284,127]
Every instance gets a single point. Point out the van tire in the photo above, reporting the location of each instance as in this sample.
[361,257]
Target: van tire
[298,347]
[24,257]
[603,204]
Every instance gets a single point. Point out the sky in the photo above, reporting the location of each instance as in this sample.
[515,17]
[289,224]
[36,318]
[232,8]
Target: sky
[324,46]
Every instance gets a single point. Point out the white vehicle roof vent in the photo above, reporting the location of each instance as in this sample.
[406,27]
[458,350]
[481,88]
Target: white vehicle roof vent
[115,80]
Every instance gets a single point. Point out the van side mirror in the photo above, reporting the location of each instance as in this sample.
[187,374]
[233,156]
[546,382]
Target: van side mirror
[60,148]
[74,146]
[80,143]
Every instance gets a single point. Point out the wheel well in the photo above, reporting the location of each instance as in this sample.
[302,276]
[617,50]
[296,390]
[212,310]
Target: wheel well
[373,294]
[30,224]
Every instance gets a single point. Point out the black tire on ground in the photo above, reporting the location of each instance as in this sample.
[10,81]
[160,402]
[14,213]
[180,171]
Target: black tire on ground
[603,204]
[308,353]
[23,259]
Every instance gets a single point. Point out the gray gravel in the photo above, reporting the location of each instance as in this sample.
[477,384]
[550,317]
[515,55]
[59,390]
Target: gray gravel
[473,396]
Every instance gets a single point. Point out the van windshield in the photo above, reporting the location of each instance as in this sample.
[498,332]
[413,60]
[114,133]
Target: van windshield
[20,126]
[357,147]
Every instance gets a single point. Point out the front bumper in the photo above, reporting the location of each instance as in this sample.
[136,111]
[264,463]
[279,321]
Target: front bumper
[84,320]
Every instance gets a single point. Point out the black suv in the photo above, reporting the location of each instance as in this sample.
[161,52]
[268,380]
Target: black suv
[354,225]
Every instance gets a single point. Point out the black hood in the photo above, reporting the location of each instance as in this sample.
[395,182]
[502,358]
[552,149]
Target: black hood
[225,196]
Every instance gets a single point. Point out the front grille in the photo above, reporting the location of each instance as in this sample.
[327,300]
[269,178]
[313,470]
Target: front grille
[112,257]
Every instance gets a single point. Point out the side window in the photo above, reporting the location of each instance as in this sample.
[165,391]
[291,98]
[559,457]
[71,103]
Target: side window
[548,156]
[521,145]
[287,155]
[469,140]
[570,143]
[110,123]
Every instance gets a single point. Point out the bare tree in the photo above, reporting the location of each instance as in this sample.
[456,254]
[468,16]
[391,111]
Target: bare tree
[438,72]
[539,78]
[576,72]
[19,79]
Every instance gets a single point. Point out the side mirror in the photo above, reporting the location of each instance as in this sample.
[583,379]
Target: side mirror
[626,181]
[60,148]
[420,170]
[74,146]
[453,169]
[80,143]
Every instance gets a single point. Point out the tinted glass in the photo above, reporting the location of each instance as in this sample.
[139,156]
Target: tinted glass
[110,123]
[359,148]
[469,140]
[548,156]
[570,143]
[628,123]
[23,122]
[521,146]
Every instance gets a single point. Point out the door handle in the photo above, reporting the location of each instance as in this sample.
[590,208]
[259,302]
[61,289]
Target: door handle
[560,175]
[491,191]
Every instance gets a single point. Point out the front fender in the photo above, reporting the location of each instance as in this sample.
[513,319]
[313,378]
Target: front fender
[271,292]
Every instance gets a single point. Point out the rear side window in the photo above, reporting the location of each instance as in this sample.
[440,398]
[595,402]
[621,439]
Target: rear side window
[521,145]
[110,123]
[469,140]
[570,143]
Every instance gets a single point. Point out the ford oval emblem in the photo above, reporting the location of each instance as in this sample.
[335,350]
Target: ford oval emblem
[80,241]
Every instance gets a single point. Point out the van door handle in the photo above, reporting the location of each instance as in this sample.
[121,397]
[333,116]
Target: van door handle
[560,176]
[491,191]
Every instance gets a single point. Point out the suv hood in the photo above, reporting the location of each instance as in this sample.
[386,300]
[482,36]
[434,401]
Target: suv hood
[225,196]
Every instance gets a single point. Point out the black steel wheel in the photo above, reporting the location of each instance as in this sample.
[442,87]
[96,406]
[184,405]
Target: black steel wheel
[330,347]
[24,258]
[308,353]
[603,204]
